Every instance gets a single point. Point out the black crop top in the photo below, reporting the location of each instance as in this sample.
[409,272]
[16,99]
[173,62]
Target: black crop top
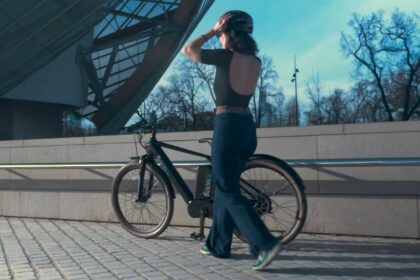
[225,95]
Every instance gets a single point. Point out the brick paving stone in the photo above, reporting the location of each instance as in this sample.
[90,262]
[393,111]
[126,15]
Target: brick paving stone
[78,277]
[198,269]
[183,276]
[74,273]
[23,274]
[155,275]
[159,277]
[95,270]
[211,276]
[101,275]
[144,269]
[177,274]
[227,271]
[45,266]
[50,277]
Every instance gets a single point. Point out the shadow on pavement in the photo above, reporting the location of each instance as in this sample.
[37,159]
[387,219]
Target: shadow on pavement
[357,247]
[368,272]
[368,259]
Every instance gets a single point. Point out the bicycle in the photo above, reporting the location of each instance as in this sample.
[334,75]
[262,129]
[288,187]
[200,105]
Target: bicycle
[148,181]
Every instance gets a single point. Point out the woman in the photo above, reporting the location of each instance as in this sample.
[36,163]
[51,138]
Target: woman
[234,136]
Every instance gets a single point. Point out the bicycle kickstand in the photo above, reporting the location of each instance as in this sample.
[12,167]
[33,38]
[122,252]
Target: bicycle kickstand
[200,235]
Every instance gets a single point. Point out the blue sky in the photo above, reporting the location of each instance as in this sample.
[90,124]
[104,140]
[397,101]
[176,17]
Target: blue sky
[308,28]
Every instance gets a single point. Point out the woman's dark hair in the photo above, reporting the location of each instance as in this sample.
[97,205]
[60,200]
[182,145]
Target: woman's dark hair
[238,31]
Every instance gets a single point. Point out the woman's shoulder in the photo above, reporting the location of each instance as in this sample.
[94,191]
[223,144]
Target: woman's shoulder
[249,56]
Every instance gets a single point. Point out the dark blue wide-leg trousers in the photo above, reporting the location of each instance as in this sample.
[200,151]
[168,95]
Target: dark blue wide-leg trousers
[234,141]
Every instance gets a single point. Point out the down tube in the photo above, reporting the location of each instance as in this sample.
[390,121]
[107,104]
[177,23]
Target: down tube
[173,174]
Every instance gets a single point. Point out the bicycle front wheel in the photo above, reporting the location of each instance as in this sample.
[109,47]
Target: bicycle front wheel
[146,215]
[277,195]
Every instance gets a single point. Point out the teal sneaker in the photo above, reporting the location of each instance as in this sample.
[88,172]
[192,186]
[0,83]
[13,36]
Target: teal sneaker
[205,251]
[267,256]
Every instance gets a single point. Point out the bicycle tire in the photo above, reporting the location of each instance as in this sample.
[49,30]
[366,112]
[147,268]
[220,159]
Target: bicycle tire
[292,188]
[123,182]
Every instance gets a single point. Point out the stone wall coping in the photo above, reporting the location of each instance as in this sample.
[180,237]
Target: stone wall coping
[369,128]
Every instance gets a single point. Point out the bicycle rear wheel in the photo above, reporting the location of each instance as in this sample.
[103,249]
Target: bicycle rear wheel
[277,194]
[146,215]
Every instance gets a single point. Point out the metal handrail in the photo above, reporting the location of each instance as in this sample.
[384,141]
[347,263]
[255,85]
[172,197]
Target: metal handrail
[351,162]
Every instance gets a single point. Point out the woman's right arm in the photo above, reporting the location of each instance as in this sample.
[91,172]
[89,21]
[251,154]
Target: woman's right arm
[193,49]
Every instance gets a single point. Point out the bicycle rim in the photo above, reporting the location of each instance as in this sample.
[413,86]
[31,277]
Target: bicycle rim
[149,216]
[276,195]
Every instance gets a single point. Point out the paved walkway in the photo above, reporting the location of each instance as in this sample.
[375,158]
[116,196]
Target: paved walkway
[54,249]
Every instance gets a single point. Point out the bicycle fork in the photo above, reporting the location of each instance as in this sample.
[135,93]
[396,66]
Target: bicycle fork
[143,195]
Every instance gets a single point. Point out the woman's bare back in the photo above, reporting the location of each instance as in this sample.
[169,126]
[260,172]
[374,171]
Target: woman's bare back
[243,73]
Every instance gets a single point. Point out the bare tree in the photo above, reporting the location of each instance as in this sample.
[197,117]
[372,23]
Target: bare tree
[185,92]
[267,88]
[315,113]
[337,110]
[157,102]
[276,113]
[206,73]
[290,112]
[383,48]
[337,107]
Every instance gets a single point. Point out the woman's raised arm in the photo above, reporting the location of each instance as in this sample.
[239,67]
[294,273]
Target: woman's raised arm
[193,49]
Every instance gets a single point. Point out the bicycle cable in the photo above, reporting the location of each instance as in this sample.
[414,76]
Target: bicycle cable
[135,144]
[140,136]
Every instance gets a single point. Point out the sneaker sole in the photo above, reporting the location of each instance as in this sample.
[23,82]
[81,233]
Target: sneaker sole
[205,252]
[270,257]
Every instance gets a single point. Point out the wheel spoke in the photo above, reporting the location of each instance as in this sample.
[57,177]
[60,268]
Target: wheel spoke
[289,214]
[274,193]
[284,203]
[145,216]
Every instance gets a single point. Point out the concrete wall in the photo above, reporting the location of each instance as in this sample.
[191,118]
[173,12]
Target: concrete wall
[28,120]
[378,201]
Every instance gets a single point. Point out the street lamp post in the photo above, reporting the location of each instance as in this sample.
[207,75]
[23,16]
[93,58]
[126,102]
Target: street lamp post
[294,79]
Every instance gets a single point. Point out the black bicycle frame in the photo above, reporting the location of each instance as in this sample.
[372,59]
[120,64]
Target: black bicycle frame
[154,148]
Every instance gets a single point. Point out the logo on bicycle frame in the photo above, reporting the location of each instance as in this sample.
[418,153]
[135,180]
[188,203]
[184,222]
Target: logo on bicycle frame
[208,185]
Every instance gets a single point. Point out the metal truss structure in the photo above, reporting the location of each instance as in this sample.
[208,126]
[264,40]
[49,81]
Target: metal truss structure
[132,47]
[133,43]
